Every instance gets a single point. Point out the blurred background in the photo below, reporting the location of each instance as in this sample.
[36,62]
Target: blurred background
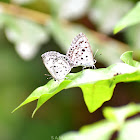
[29,28]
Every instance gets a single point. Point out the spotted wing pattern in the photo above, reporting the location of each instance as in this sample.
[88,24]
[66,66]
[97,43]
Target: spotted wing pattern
[80,52]
[57,64]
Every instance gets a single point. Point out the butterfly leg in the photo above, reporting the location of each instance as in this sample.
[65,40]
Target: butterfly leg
[93,67]
[83,67]
[47,74]
[50,77]
[66,78]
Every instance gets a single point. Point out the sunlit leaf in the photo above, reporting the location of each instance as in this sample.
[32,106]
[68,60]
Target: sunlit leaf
[132,37]
[130,130]
[128,59]
[97,131]
[26,35]
[105,13]
[130,19]
[104,129]
[48,90]
[44,97]
[97,85]
[119,114]
[96,94]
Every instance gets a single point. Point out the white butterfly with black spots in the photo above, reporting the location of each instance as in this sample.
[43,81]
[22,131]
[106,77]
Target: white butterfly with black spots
[57,64]
[79,54]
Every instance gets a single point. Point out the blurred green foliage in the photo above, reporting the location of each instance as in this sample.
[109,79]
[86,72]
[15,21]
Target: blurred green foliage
[32,27]
[130,19]
[115,121]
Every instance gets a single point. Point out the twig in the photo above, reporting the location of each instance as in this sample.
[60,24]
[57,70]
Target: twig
[21,12]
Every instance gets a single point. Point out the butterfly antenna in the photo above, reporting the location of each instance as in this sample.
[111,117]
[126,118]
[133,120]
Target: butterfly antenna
[49,78]
[95,53]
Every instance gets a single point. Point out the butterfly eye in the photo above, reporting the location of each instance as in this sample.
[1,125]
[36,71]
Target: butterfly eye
[94,61]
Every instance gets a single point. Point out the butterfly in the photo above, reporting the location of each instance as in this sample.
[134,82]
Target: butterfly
[57,64]
[78,54]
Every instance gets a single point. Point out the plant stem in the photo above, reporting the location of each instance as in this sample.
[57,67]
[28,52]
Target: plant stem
[21,12]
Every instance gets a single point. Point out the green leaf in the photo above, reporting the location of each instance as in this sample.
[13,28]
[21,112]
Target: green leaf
[26,35]
[132,18]
[97,85]
[130,130]
[128,59]
[104,129]
[119,114]
[132,38]
[105,13]
[47,95]
[97,131]
[48,90]
[96,94]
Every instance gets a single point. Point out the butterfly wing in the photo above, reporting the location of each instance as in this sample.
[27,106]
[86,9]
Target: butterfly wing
[61,67]
[57,64]
[80,52]
[49,60]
